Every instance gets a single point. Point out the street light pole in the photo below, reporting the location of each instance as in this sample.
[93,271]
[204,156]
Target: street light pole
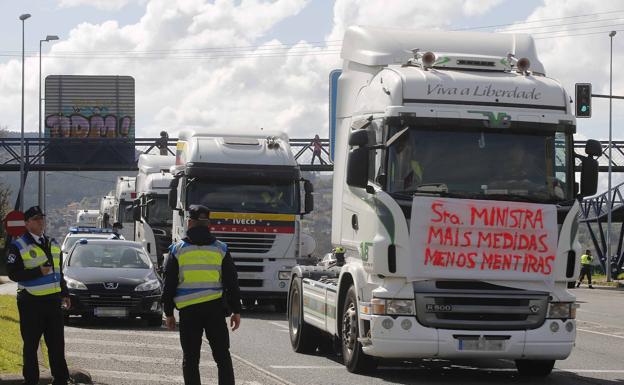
[22,178]
[41,200]
[610,196]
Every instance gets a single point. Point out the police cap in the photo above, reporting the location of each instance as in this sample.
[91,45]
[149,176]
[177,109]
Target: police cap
[199,212]
[33,212]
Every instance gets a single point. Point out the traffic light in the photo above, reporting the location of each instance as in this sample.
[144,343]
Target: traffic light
[583,100]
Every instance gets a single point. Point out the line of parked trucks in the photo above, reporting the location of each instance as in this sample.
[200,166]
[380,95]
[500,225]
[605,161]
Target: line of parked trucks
[455,205]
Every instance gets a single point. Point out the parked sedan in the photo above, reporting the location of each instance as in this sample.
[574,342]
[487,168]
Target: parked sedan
[112,278]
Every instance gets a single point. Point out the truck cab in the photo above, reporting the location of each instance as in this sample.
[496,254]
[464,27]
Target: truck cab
[124,199]
[454,205]
[254,189]
[152,215]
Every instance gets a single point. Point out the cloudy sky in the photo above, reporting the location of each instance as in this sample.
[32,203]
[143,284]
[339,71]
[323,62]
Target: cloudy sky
[254,63]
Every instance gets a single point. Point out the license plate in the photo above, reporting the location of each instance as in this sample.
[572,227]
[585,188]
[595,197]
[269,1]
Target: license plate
[110,312]
[245,275]
[481,344]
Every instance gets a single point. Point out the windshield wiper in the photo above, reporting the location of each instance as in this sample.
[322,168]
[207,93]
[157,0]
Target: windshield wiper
[531,198]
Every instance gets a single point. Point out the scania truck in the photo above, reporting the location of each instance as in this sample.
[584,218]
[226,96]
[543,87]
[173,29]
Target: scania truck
[152,215]
[124,200]
[253,186]
[455,206]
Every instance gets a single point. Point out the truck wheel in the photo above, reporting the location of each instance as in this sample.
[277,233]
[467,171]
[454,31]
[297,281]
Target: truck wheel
[535,368]
[354,358]
[303,337]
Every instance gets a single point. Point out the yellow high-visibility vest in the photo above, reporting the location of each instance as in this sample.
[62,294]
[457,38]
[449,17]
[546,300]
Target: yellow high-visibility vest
[34,257]
[199,277]
[586,259]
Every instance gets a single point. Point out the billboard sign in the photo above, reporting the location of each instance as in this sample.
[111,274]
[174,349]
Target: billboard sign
[89,119]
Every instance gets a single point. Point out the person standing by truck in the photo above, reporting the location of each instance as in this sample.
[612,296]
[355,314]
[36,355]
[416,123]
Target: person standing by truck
[34,261]
[199,274]
[586,268]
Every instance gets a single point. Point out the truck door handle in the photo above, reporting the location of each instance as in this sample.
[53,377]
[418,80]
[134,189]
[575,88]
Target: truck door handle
[354,222]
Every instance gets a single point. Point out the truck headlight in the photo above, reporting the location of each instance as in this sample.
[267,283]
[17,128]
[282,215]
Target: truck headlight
[73,284]
[562,310]
[393,306]
[283,275]
[150,285]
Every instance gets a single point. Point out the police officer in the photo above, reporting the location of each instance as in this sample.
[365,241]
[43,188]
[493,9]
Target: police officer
[201,281]
[586,268]
[34,262]
[117,226]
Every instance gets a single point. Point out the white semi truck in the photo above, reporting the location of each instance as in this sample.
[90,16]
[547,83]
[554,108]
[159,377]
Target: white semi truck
[87,218]
[254,189]
[455,208]
[152,215]
[124,200]
[107,206]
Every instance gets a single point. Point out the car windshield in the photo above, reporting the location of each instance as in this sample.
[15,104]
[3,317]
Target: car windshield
[158,210]
[480,163]
[112,256]
[278,198]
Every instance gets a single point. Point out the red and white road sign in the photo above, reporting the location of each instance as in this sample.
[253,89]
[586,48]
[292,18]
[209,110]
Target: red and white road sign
[14,223]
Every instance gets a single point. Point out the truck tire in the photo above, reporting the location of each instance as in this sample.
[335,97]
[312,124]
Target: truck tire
[303,337]
[353,357]
[535,368]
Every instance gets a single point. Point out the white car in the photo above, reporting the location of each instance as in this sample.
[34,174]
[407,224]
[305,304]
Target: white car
[77,233]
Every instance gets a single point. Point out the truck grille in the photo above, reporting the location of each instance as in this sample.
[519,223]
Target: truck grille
[250,243]
[477,308]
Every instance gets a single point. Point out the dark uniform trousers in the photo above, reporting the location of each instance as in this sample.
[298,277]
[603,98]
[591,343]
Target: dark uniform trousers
[586,271]
[43,317]
[209,318]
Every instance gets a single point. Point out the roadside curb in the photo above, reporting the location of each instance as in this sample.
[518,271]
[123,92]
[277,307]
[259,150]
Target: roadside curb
[78,376]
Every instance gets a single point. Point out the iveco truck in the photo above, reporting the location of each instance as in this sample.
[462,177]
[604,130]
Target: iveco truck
[455,206]
[257,196]
[152,215]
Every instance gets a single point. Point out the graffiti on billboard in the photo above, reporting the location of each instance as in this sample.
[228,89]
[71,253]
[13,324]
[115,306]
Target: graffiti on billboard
[87,121]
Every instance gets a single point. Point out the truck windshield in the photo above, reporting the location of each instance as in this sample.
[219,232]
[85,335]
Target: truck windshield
[480,164]
[280,198]
[158,210]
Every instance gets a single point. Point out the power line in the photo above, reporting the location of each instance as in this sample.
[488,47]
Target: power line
[86,177]
[562,25]
[579,34]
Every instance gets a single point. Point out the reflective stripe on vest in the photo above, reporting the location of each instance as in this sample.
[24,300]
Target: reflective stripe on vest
[586,259]
[34,257]
[199,278]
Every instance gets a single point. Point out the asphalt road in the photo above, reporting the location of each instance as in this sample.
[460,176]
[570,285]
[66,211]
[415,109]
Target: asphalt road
[118,352]
[128,352]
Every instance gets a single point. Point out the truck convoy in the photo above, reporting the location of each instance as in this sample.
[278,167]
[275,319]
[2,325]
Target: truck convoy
[455,206]
[124,200]
[152,215]
[107,206]
[254,189]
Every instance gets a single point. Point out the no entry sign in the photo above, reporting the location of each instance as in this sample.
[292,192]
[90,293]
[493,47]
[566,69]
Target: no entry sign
[14,223]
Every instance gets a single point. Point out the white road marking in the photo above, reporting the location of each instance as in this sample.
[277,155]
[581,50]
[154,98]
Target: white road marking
[128,358]
[279,324]
[140,333]
[169,379]
[142,345]
[602,334]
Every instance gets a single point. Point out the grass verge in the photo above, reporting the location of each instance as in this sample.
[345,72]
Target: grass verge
[11,346]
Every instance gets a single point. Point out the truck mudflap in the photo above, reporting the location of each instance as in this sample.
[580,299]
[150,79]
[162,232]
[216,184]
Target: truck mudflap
[404,337]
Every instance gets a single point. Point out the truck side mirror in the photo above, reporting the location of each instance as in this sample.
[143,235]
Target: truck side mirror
[136,212]
[308,188]
[589,176]
[173,194]
[357,163]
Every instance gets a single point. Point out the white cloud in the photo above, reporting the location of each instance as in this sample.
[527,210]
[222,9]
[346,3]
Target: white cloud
[107,5]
